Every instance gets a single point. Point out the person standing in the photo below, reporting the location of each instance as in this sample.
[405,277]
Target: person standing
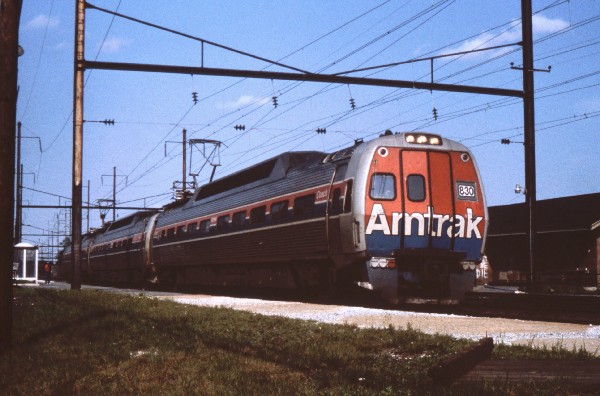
[48,273]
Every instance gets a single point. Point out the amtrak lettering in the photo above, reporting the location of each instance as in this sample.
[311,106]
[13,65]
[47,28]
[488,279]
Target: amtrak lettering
[465,227]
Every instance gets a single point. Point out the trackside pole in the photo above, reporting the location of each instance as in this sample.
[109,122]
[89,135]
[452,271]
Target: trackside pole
[76,198]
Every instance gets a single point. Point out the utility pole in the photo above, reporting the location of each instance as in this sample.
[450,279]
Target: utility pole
[114,193]
[77,144]
[10,14]
[183,168]
[529,133]
[19,222]
[88,206]
[18,216]
[180,192]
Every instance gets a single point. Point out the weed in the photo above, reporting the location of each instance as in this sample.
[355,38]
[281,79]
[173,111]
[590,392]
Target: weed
[87,342]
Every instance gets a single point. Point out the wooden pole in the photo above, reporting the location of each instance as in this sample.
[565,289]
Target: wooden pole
[10,13]
[76,198]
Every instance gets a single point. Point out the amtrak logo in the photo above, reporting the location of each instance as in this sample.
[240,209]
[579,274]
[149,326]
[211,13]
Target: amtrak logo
[461,226]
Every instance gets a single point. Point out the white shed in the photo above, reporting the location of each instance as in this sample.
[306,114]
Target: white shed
[25,262]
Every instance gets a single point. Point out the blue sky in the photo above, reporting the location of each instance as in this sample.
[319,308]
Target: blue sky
[150,110]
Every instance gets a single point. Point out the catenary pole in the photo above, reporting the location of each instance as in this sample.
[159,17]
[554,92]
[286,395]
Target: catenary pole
[529,134]
[114,200]
[19,214]
[183,168]
[76,199]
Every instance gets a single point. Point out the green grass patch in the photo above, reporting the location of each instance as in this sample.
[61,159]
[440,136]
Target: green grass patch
[90,342]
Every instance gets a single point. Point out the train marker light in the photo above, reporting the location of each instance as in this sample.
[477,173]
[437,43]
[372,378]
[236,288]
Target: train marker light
[382,262]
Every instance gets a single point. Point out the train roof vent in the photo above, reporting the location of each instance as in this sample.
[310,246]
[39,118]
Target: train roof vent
[121,223]
[342,154]
[247,176]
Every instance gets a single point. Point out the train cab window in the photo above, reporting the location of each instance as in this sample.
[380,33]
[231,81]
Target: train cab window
[383,186]
[348,197]
[205,226]
[304,206]
[335,207]
[340,172]
[223,223]
[415,187]
[239,219]
[191,228]
[257,215]
[279,210]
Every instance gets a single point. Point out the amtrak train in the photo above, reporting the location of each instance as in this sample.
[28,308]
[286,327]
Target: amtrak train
[403,215]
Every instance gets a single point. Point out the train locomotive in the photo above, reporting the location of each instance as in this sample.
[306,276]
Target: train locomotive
[403,215]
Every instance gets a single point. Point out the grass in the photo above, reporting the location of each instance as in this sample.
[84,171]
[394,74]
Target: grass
[90,342]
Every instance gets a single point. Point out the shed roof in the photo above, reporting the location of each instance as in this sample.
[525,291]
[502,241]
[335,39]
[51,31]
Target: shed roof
[575,213]
[25,245]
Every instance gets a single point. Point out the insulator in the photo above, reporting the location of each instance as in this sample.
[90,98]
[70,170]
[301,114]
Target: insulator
[240,127]
[352,103]
[505,141]
[435,114]
[321,130]
[275,101]
[195,97]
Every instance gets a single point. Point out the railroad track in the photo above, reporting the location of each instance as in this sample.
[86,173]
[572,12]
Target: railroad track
[536,306]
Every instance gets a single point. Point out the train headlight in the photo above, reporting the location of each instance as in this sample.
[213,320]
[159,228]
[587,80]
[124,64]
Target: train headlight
[423,138]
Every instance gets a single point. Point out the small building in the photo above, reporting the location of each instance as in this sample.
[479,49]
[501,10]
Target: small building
[568,242]
[25,262]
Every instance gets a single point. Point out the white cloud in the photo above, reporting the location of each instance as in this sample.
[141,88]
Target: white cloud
[242,101]
[41,21]
[541,24]
[114,44]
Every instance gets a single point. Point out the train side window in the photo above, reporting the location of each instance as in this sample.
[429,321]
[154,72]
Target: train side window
[163,234]
[239,219]
[279,210]
[336,205]
[348,197]
[223,223]
[191,228]
[181,231]
[383,186]
[415,187]
[304,206]
[257,215]
[205,226]
[170,233]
